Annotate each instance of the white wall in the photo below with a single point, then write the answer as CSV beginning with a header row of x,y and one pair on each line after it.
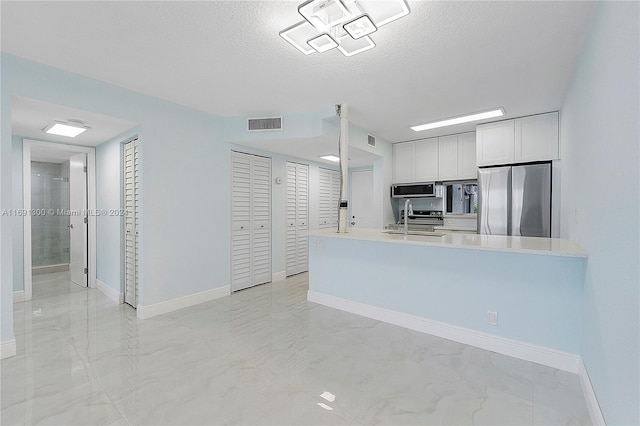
x,y
599,139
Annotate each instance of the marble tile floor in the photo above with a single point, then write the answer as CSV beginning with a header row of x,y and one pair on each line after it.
x,y
262,356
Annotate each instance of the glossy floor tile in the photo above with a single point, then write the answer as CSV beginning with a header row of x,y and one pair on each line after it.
x,y
262,356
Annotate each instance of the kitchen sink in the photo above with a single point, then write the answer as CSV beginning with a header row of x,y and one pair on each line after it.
x,y
422,233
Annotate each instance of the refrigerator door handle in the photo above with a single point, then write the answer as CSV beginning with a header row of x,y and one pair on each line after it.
x,y
515,208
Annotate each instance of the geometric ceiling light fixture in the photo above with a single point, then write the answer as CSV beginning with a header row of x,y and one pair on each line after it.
x,y
70,128
345,24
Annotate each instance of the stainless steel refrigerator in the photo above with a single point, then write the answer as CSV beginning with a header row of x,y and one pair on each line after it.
x,y
515,200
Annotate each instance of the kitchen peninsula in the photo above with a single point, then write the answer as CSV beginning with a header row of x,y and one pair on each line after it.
x,y
520,296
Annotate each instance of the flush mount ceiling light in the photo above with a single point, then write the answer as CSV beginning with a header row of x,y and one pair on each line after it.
x,y
331,157
69,128
459,120
345,24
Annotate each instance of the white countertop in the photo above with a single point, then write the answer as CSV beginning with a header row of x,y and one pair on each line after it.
x,y
533,245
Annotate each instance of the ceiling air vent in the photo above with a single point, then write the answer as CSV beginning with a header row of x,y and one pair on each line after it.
x,y
371,140
264,124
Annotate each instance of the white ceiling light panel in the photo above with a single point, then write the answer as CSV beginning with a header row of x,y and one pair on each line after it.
x,y
68,129
499,112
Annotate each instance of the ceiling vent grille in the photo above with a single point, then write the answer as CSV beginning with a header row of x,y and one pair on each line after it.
x,y
268,124
371,141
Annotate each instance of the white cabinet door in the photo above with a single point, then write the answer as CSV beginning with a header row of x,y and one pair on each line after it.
x,y
448,157
297,218
426,160
467,168
404,162
250,220
495,143
536,138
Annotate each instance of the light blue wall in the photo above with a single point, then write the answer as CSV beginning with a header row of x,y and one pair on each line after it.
x,y
109,196
599,142
538,298
18,225
6,202
185,177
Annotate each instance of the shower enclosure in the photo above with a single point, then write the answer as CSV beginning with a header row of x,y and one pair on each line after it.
x,y
50,239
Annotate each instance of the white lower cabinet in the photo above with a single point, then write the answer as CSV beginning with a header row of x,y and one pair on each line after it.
x,y
297,218
251,220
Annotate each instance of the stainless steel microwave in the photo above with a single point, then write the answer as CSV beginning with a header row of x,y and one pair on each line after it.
x,y
416,190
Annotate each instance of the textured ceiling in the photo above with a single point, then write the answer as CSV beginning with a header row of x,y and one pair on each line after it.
x,y
443,60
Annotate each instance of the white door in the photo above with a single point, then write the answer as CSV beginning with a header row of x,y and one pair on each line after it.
x,y
329,191
250,220
77,220
297,218
362,199
131,196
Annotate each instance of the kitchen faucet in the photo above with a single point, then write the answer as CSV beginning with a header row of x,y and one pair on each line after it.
x,y
407,208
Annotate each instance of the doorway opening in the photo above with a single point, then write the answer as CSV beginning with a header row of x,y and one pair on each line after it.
x,y
59,197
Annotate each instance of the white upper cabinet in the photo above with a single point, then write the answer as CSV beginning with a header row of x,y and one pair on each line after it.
x,y
426,160
436,159
522,140
536,138
495,143
467,168
457,155
448,157
404,167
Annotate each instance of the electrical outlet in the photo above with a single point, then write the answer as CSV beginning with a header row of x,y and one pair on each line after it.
x,y
492,317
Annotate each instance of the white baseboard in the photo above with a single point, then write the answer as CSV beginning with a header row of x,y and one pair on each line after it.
x,y
590,396
145,312
18,296
8,348
279,276
522,350
108,291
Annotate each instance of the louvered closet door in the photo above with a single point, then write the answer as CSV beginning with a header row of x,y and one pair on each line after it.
x,y
131,204
335,197
241,221
302,189
297,218
324,202
292,234
329,189
251,220
261,209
